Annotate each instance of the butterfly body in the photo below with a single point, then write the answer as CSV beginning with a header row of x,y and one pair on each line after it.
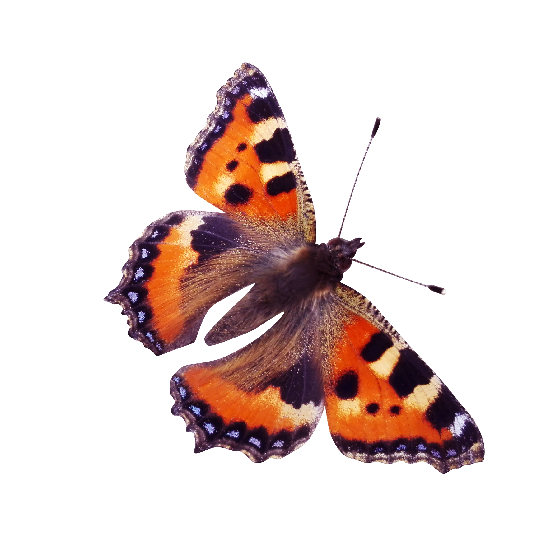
x,y
330,349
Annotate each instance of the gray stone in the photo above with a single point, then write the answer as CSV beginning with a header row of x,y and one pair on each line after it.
x,y
419,204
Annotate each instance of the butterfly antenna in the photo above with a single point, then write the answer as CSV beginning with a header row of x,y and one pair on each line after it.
x,y
435,289
373,133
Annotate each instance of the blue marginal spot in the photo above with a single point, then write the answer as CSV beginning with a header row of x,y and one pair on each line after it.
x,y
194,409
210,428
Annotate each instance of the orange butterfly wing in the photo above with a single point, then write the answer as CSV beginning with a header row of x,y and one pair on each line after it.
x,y
263,424
181,266
244,161
384,403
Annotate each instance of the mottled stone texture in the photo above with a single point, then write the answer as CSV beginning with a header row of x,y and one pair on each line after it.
x,y
419,204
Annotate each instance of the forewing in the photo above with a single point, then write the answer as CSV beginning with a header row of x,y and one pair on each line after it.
x,y
244,161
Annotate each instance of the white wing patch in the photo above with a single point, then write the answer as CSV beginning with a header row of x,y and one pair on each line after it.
x,y
459,424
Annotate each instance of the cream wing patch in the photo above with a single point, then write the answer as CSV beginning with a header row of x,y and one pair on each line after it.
x,y
385,365
264,130
185,239
424,395
271,170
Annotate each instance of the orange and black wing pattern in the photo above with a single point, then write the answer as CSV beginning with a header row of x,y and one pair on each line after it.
x,y
245,164
384,403
266,423
330,348
181,266
244,161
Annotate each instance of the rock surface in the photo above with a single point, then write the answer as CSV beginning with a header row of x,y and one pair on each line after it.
x,y
418,204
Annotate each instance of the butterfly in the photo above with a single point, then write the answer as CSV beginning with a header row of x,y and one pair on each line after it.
x,y
331,348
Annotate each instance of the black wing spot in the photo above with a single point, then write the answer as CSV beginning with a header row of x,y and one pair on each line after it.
x,y
409,372
395,410
303,432
261,109
231,165
237,194
372,408
241,147
214,236
278,148
300,385
376,347
441,413
281,184
347,385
